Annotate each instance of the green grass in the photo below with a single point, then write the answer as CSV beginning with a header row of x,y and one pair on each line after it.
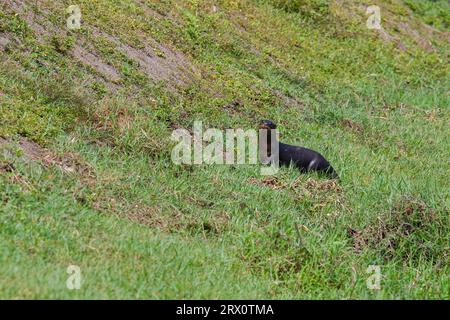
x,y
139,226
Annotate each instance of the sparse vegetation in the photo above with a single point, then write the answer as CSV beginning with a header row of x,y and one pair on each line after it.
x,y
86,176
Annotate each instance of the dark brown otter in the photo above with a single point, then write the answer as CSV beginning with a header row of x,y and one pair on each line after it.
x,y
302,158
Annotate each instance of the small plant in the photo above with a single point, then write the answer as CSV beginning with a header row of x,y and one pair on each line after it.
x,y
62,44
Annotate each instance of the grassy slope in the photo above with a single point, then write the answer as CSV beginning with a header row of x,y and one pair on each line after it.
x,y
141,227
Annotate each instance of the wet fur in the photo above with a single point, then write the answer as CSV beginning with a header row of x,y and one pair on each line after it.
x,y
302,158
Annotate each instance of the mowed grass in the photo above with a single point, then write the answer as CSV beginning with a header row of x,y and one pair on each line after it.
x,y
139,226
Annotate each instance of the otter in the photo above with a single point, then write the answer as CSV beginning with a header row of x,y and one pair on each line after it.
x,y
302,158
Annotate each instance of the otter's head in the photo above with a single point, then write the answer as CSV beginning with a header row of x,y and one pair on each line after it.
x,y
267,124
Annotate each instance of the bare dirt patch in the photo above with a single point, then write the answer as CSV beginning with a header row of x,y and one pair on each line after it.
x,y
167,219
323,194
352,125
45,32
403,34
36,21
313,185
161,63
4,41
288,101
271,182
421,40
309,186
153,216
150,12
234,107
387,38
67,162
92,59
394,234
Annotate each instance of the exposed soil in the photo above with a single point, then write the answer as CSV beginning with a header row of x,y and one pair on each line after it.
x,y
158,61
67,162
4,40
161,63
421,40
309,187
313,185
288,101
37,22
352,125
271,182
92,59
408,216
